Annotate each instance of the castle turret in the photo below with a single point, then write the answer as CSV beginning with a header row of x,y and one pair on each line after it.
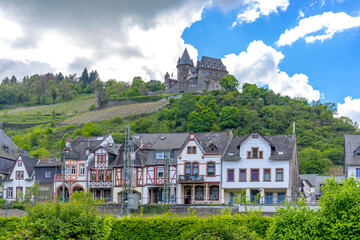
x,y
183,65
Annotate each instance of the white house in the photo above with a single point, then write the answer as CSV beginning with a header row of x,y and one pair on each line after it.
x,y
352,155
21,177
266,165
199,167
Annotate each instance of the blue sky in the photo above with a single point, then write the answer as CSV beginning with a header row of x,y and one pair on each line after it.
x,y
306,49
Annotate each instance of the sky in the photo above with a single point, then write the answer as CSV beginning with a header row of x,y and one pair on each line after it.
x,y
299,48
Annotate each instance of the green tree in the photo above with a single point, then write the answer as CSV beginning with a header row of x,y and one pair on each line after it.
x,y
229,117
229,83
195,123
186,105
311,161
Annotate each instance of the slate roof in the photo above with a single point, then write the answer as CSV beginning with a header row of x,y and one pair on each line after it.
x,y
212,63
81,144
218,139
6,165
119,160
52,162
283,147
352,142
160,141
315,180
6,141
185,59
112,149
29,163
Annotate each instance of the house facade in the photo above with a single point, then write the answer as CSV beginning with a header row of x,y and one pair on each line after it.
x,y
45,172
256,164
99,174
21,177
78,154
199,168
352,155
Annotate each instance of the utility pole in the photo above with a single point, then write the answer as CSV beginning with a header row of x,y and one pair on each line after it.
x,y
126,174
63,175
166,197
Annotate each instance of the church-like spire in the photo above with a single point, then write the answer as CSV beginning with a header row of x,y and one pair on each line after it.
x,y
185,59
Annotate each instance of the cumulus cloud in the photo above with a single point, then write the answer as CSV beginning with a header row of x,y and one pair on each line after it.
x,y
259,64
120,39
319,28
350,108
301,14
255,8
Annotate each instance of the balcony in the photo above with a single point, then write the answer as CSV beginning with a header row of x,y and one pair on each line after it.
x,y
59,177
191,178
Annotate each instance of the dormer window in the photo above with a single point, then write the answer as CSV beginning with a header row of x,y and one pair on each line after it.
x,y
357,152
6,149
212,148
254,153
87,151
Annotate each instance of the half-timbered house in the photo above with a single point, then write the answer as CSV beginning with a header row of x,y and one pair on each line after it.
x,y
199,167
100,176
77,154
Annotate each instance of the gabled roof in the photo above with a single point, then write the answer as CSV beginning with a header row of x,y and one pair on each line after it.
x,y
212,63
6,165
29,163
218,139
5,141
81,144
52,162
112,149
283,147
160,141
246,137
352,142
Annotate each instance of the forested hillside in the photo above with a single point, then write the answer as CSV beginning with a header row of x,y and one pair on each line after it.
x,y
320,134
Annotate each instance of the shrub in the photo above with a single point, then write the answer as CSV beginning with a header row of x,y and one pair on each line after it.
x,y
11,226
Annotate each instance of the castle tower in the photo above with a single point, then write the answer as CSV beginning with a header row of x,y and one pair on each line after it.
x,y
183,65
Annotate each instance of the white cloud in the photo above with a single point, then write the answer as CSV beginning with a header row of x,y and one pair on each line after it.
x,y
301,14
350,108
256,8
260,65
321,27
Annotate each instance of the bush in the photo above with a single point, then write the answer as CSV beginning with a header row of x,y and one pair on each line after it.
x,y
11,226
77,219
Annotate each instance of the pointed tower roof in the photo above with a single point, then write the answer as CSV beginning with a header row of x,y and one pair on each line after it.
x,y
185,59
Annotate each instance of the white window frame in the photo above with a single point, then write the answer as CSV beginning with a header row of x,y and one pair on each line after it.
x,y
82,169
48,174
73,170
67,170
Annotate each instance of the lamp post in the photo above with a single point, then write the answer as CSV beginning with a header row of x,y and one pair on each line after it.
x,y
5,191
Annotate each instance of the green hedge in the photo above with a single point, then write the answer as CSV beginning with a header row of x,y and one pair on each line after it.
x,y
238,226
11,226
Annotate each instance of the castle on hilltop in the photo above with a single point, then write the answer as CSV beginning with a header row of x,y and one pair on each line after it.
x,y
206,75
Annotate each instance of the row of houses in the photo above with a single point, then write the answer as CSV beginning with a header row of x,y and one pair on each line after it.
x,y
203,168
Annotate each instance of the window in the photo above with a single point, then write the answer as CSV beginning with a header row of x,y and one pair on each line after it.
x,y
214,193
6,149
211,169
358,172
242,175
254,177
248,154
255,136
10,192
19,175
160,172
187,168
212,148
108,176
87,151
67,170
160,155
230,175
82,169
268,198
195,169
93,176
73,170
48,174
20,163
19,193
1,180
255,153
44,193
280,197
232,196
267,174
191,150
279,174
101,175
357,154
199,193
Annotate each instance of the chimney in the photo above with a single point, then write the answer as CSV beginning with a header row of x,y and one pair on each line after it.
x,y
67,141
227,132
293,128
43,159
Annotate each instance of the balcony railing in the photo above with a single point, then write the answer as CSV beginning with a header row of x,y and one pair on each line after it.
x,y
191,178
269,201
59,177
